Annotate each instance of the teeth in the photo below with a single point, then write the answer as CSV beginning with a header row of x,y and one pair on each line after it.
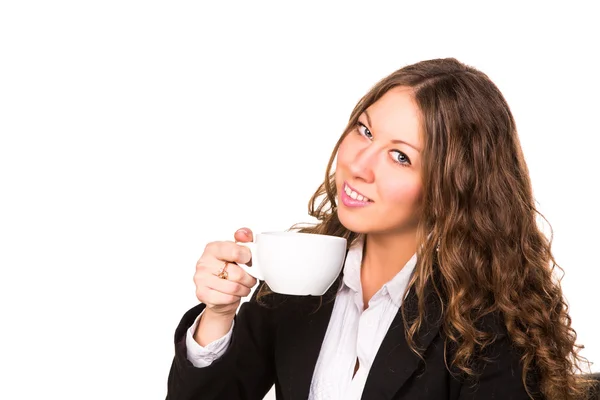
x,y
351,193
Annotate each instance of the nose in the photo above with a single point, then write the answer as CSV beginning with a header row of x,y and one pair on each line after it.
x,y
363,164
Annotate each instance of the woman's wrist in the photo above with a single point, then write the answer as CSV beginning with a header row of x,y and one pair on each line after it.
x,y
212,326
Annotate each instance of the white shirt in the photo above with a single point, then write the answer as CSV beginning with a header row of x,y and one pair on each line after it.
x,y
352,333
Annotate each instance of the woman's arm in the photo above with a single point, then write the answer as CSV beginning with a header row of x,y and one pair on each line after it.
x,y
203,355
245,371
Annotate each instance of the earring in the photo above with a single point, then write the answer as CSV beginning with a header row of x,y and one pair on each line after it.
x,y
437,248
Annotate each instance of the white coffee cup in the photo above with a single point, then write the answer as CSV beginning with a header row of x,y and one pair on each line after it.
x,y
296,263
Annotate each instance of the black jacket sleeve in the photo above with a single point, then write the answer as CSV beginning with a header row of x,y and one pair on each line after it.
x,y
245,371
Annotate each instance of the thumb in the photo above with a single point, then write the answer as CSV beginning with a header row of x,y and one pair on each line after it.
x,y
243,235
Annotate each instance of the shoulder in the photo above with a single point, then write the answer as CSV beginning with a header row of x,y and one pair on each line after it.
x,y
279,313
278,303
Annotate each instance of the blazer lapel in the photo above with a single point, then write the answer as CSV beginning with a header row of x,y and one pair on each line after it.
x,y
299,339
395,362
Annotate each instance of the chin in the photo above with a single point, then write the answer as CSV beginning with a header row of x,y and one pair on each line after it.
x,y
353,223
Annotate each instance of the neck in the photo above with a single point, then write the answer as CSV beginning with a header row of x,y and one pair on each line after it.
x,y
386,254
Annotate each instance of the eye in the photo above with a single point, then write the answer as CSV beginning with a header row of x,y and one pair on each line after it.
x,y
364,131
400,157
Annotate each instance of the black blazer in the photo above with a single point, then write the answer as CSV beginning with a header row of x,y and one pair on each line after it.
x,y
280,345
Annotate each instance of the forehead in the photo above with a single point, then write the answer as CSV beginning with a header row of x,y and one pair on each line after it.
x,y
396,116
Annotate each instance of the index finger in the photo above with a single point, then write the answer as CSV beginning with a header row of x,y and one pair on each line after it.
x,y
228,251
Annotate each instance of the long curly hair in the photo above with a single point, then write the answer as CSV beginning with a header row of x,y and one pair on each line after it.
x,y
478,230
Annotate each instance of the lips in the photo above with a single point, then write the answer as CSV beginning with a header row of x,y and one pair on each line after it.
x,y
350,197
355,194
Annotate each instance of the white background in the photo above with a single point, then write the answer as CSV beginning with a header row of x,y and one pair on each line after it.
x,y
134,132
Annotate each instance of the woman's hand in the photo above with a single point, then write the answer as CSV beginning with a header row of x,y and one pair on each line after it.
x,y
222,296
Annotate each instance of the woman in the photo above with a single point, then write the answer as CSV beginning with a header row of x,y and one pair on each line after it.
x,y
447,290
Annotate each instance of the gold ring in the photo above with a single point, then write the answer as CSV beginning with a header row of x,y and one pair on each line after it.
x,y
223,272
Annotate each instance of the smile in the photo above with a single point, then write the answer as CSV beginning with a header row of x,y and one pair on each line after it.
x,y
354,194
352,198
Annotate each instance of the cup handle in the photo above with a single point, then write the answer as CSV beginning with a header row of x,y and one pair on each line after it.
x,y
253,270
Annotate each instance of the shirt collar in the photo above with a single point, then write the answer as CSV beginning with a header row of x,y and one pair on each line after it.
x,y
395,288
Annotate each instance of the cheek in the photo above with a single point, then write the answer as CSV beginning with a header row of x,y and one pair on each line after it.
x,y
349,150
403,191
343,153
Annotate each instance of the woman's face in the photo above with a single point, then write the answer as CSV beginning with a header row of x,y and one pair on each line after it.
x,y
378,170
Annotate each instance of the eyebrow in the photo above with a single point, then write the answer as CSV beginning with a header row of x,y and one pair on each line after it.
x,y
393,140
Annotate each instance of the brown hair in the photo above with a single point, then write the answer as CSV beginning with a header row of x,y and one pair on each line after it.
x,y
478,206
